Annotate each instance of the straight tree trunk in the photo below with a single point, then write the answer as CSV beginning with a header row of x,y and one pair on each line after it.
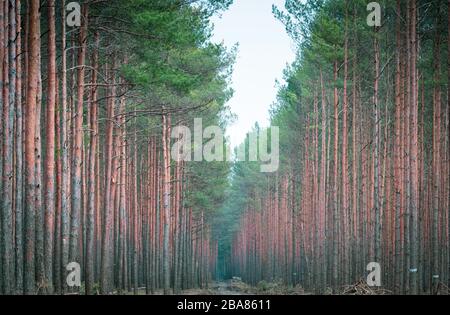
x,y
91,210
166,200
414,264
107,213
30,135
376,153
135,212
19,205
345,180
40,269
398,153
355,164
58,201
9,84
448,130
336,215
436,162
66,153
49,176
323,172
74,254
2,53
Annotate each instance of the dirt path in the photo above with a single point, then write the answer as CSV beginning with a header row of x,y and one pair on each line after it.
x,y
225,288
235,287
216,288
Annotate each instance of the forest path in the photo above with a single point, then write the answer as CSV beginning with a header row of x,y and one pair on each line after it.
x,y
225,288
216,288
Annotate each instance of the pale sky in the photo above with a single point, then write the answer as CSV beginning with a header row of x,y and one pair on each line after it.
x,y
264,51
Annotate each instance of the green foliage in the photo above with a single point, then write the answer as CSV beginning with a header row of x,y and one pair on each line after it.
x,y
172,66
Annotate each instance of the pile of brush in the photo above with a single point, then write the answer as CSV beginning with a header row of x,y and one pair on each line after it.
x,y
361,288
442,289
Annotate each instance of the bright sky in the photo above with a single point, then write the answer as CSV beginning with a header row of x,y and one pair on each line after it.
x,y
264,51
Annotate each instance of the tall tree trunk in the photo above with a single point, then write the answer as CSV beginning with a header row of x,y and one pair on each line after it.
x,y
123,196
135,211
9,85
414,262
397,163
92,205
323,172
436,158
107,204
448,129
19,160
345,180
376,154
58,201
2,55
40,270
74,254
30,149
66,153
49,176
166,200
336,214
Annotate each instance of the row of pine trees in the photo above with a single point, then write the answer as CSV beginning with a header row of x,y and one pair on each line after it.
x,y
85,152
365,131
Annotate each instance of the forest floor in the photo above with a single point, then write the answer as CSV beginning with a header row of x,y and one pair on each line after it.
x,y
217,288
237,287
214,288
